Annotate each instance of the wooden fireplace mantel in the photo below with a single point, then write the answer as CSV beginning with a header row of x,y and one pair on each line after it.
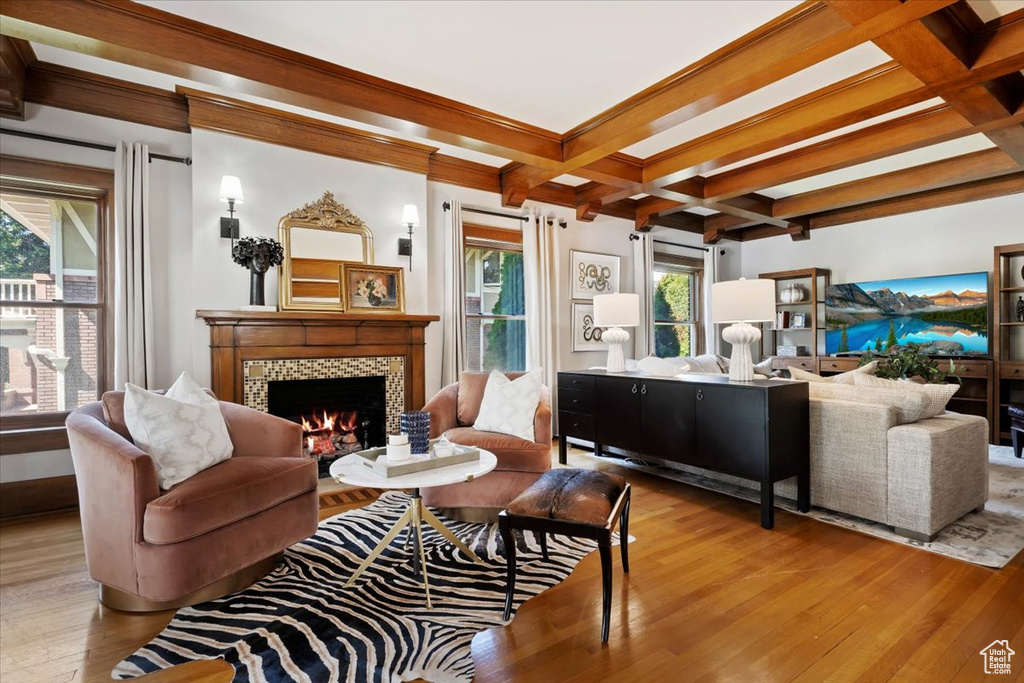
x,y
240,336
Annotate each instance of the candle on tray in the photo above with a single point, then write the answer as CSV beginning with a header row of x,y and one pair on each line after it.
x,y
398,448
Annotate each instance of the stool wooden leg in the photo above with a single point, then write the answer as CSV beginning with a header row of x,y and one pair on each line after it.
x,y
606,584
624,536
508,538
543,538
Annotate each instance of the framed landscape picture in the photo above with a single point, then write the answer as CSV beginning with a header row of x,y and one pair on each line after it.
x,y
586,336
592,274
372,289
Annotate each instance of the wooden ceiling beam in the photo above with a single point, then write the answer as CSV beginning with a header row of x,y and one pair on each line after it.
x,y
988,188
790,43
937,49
160,41
913,131
53,85
988,163
16,57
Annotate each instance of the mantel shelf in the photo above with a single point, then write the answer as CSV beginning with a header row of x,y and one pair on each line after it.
x,y
316,317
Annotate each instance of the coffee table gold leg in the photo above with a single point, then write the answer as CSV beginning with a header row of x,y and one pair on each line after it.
x,y
404,520
433,521
417,521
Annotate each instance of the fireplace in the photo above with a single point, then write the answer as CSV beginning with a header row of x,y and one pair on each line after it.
x,y
339,415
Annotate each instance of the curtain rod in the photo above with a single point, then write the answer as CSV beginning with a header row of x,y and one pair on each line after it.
x,y
89,145
633,237
514,216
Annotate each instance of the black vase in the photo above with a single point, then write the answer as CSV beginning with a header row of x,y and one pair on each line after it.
x,y
255,287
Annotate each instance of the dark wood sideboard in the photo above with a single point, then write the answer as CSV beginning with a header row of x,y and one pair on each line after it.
x,y
756,430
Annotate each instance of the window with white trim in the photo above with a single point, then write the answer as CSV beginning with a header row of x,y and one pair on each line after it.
x,y
677,326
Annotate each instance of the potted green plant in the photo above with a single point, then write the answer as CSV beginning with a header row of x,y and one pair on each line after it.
x,y
907,362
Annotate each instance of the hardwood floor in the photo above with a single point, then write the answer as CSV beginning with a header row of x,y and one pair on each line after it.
x,y
710,597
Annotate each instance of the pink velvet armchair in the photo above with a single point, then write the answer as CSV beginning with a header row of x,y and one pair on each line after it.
x,y
520,463
210,535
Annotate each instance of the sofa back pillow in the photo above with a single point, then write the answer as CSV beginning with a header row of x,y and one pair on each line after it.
x,y
510,406
841,378
182,431
909,407
936,395
471,393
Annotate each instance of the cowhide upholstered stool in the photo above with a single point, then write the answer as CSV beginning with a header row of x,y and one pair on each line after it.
x,y
571,502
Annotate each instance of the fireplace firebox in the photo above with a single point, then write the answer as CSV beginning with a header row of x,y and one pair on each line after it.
x,y
339,415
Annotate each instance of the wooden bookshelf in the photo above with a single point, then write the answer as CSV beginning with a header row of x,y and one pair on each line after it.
x,y
1007,337
814,281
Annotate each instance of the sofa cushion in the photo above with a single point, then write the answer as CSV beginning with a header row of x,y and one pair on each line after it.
x,y
841,378
113,411
509,406
514,454
471,394
573,495
936,395
909,407
226,493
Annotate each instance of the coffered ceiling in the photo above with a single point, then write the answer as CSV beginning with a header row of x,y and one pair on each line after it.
x,y
737,120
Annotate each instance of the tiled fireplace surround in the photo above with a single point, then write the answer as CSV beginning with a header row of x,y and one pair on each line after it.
x,y
250,348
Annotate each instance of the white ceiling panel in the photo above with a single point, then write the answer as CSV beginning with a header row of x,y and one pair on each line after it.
x,y
571,180
987,10
701,211
849,63
553,64
896,162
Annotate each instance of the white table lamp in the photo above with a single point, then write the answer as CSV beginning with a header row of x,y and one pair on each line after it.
x,y
613,312
742,302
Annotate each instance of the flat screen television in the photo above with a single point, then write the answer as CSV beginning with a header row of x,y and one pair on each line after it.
x,y
946,314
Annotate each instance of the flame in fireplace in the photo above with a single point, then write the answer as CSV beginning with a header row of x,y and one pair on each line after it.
x,y
330,433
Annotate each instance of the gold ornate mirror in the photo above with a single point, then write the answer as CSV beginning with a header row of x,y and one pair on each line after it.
x,y
317,239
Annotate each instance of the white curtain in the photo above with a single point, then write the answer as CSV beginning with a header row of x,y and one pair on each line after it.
x,y
712,338
540,274
133,297
643,275
453,359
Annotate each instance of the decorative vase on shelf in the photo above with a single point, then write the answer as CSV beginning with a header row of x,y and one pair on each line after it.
x,y
258,254
792,294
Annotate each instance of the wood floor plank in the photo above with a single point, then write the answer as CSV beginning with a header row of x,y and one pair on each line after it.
x,y
711,597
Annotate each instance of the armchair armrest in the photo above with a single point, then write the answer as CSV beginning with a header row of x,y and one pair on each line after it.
x,y
443,409
542,419
256,434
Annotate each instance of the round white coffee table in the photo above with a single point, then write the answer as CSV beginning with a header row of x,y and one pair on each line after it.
x,y
349,470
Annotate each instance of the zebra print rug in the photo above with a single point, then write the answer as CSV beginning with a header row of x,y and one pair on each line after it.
x,y
300,624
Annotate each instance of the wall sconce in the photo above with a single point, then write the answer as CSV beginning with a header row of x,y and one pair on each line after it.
x,y
230,192
410,219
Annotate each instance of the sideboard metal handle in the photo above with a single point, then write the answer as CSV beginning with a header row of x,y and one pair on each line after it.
x,y
643,389
700,395
634,388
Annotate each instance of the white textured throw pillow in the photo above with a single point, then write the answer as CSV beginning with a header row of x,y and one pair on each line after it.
x,y
841,378
936,395
510,406
183,431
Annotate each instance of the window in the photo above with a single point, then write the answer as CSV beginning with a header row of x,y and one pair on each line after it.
x,y
676,291
495,306
52,297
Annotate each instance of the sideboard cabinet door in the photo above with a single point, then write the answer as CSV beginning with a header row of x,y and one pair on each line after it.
x,y
618,412
731,430
668,427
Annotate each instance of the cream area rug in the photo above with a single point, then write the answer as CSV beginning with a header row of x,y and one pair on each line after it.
x,y
990,538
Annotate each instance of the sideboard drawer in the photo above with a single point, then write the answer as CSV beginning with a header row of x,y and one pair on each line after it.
x,y
576,400
838,364
808,363
576,425
570,381
1011,370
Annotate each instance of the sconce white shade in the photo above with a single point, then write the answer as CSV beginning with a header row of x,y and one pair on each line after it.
x,y
743,301
231,189
410,215
617,310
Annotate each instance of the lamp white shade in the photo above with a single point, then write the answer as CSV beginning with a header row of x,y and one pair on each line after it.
x,y
743,301
231,189
617,310
410,215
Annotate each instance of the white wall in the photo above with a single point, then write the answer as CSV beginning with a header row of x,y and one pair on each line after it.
x,y
275,181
